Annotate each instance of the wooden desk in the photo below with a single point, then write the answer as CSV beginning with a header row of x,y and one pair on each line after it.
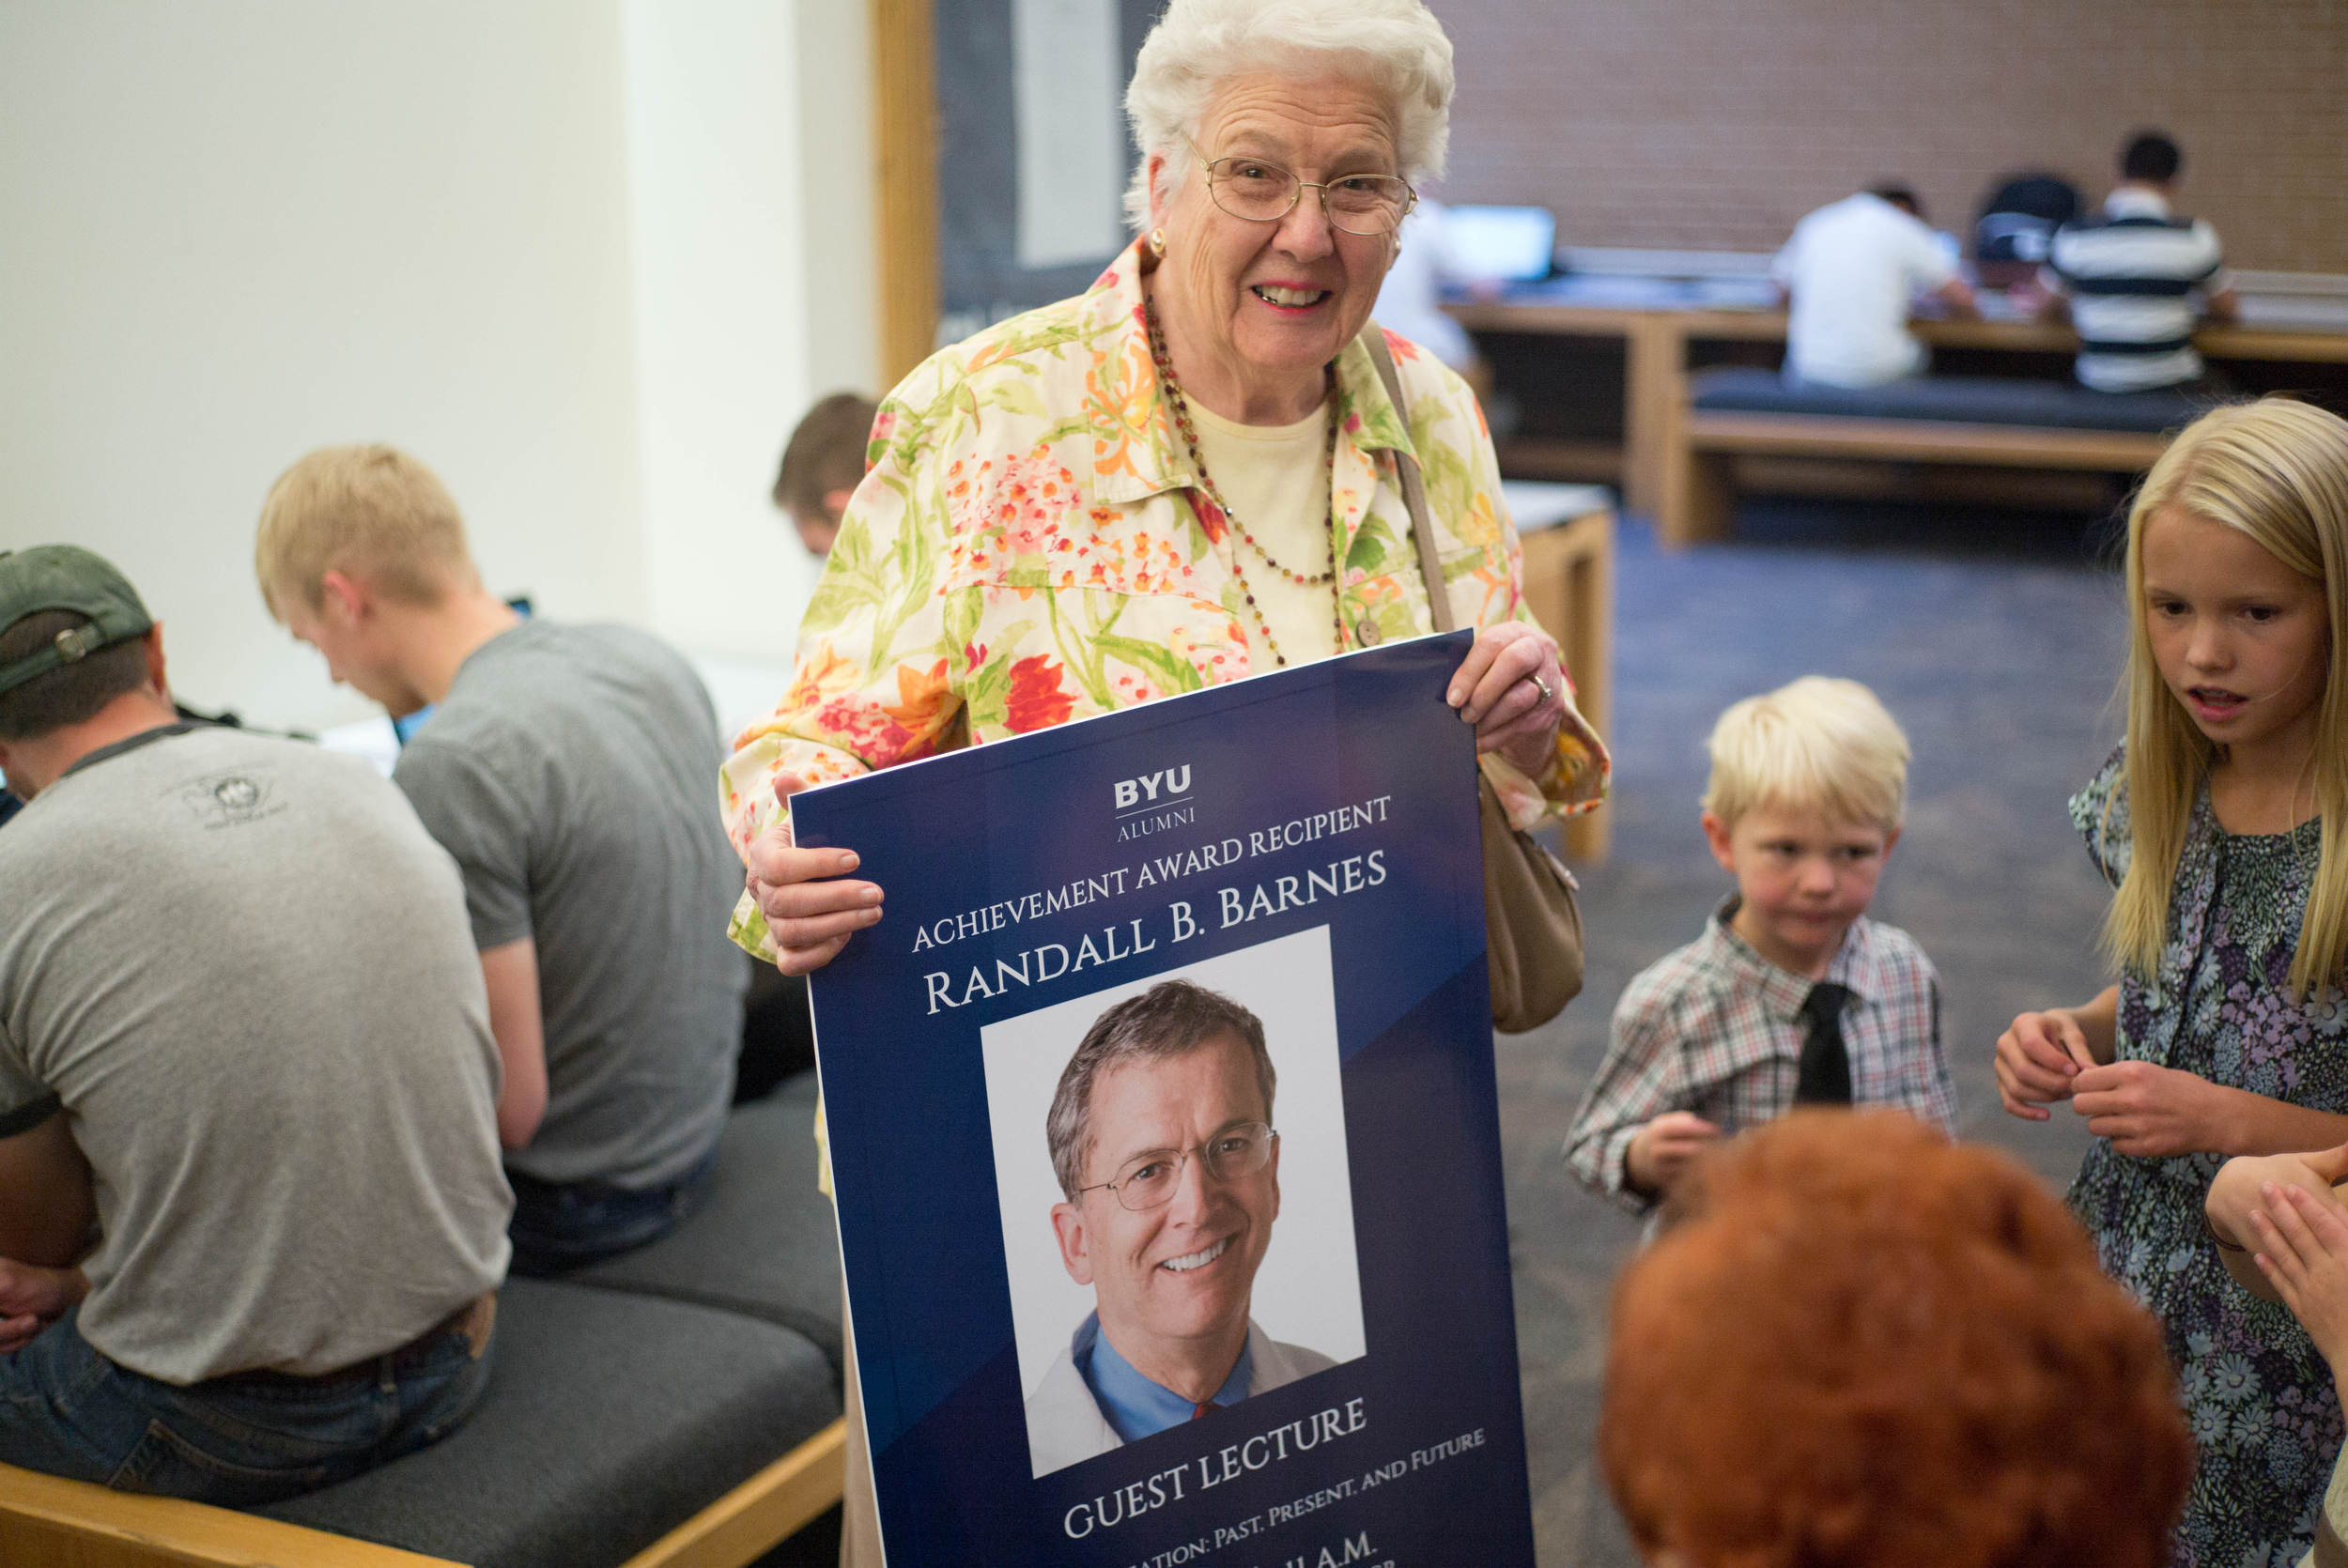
x,y
1656,341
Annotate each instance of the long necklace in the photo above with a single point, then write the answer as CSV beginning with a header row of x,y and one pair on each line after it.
x,y
1180,406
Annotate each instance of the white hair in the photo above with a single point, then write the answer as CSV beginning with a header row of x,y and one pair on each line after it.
x,y
1199,46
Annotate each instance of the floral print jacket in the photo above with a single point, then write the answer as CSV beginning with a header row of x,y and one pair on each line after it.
x,y
1029,545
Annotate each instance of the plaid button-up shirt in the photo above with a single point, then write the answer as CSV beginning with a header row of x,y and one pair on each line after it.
x,y
1717,1029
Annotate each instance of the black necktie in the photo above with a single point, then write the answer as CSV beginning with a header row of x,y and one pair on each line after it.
x,y
1825,1061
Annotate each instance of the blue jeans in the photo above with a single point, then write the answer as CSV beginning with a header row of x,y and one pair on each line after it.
x,y
251,1438
561,1225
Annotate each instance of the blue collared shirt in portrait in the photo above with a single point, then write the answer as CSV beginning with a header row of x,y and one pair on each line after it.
x,y
1135,1405
1717,1029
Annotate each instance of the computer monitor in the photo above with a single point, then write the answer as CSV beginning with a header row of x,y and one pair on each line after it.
x,y
1499,244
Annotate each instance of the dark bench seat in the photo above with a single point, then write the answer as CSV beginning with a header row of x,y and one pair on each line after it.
x,y
1960,399
764,1243
609,1418
1951,419
678,1405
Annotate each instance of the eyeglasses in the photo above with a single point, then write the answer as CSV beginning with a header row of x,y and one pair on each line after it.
x,y
1265,192
1149,1180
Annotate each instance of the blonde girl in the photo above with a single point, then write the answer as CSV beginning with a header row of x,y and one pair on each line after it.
x,y
2220,823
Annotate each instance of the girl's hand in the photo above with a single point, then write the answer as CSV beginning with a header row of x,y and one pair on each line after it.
x,y
2150,1112
1512,687
2303,1249
2039,1060
2241,1182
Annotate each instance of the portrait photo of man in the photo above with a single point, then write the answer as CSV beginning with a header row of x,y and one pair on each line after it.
x,y
1162,1139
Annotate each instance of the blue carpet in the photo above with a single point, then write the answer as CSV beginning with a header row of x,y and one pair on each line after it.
x,y
1996,639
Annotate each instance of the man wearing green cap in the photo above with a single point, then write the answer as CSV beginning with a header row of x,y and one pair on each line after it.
x,y
249,1176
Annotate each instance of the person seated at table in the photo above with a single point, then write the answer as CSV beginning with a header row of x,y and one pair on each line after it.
x,y
566,768
250,1212
1853,270
822,464
1410,301
1864,1344
2017,224
2134,278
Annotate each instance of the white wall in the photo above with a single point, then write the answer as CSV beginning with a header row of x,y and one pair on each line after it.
x,y
235,231
745,313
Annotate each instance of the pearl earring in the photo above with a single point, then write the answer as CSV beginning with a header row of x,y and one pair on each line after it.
x,y
1157,242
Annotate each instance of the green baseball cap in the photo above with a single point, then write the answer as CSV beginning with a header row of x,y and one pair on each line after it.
x,y
66,577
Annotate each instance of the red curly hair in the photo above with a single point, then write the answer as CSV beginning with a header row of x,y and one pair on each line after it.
x,y
1866,1345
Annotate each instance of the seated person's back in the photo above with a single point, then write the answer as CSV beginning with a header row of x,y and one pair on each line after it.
x,y
568,769
2138,278
1851,270
234,979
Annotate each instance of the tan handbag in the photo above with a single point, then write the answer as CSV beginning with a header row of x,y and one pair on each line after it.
x,y
1532,923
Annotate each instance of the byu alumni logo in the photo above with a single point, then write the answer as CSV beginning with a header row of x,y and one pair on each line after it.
x,y
1154,803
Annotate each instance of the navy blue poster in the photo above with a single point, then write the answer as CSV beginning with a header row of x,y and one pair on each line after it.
x,y
1164,1132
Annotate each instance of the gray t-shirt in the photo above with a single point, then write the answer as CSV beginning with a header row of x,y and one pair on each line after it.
x,y
241,967
568,771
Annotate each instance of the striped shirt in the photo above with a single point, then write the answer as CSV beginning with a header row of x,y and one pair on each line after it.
x,y
2132,273
1717,1029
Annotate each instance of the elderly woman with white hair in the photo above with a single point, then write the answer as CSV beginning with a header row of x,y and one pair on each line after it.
x,y
1189,473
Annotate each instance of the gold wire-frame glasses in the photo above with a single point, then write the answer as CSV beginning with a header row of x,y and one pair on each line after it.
x,y
1150,1180
1262,191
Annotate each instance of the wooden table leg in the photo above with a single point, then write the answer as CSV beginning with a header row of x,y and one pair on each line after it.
x,y
1654,361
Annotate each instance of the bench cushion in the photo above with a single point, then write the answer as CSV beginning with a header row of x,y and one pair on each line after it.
x,y
764,1241
609,1420
1961,399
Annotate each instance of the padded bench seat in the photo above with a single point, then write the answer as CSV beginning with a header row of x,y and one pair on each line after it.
x,y
609,1418
616,1430
680,1401
1960,421
1961,399
764,1243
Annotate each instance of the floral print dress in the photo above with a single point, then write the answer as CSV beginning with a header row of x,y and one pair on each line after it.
x,y
2258,1397
1031,546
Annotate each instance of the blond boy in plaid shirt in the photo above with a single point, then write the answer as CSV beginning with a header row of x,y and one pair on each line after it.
x,y
1791,995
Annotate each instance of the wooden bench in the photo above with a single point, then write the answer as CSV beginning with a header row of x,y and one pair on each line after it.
x,y
1763,417
1568,534
73,1524
678,1408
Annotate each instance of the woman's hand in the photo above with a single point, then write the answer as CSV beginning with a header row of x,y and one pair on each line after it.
x,y
2303,1250
809,913
2152,1112
2039,1059
1513,688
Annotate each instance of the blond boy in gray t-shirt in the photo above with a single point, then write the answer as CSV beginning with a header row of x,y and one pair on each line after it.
x,y
568,769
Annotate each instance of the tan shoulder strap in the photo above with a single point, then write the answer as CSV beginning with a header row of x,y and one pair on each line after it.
x,y
1413,487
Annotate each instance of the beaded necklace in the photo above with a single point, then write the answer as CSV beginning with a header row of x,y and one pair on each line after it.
x,y
1180,406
